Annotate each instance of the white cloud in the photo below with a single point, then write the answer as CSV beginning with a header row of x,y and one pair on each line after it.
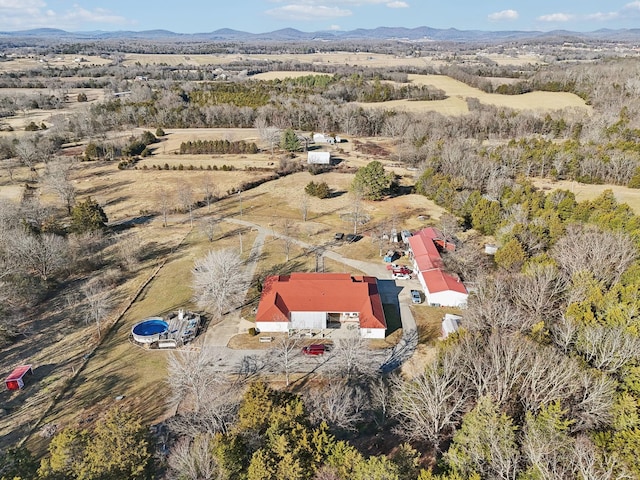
x,y
26,14
603,16
557,17
300,12
397,4
632,6
335,27
503,15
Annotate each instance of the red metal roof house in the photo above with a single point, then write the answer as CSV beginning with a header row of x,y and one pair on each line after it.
x,y
315,300
15,380
440,287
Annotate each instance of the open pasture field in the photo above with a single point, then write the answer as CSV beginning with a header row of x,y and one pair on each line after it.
x,y
19,64
582,191
458,92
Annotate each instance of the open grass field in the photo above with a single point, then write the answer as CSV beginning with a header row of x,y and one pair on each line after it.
x,y
458,92
31,62
630,196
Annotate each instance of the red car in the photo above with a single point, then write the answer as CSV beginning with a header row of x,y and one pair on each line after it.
x,y
402,270
315,349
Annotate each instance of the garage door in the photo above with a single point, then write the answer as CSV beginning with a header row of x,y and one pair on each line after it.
x,y
315,320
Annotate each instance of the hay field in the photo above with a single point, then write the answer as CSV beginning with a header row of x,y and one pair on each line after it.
x,y
458,92
20,64
582,191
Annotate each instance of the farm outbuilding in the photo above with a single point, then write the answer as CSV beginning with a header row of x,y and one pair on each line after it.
x,y
450,324
440,288
15,381
319,158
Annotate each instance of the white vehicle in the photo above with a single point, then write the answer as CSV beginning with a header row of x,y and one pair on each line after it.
x,y
401,276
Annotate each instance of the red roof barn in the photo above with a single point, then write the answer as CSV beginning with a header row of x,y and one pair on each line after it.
x,y
440,287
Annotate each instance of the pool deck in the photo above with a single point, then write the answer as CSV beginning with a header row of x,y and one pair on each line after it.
x,y
182,328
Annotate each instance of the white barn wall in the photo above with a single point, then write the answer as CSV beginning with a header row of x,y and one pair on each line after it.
x,y
373,333
272,326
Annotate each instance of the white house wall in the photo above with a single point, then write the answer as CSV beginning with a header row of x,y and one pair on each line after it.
x,y
314,320
273,326
448,298
372,333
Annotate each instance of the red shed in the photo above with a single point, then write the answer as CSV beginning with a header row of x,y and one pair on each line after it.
x,y
15,380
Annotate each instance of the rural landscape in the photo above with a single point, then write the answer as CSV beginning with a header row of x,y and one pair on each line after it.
x,y
293,259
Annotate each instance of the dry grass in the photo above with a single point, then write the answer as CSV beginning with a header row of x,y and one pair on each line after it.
x,y
428,320
630,196
458,92
59,61
118,368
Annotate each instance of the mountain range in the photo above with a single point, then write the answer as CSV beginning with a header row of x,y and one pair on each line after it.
x,y
417,34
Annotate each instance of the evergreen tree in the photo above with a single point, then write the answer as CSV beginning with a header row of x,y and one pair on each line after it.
x,y
290,141
372,181
88,216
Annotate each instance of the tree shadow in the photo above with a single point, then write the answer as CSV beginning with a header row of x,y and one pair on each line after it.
x,y
125,224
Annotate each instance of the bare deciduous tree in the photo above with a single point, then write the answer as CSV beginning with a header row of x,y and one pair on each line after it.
x,y
430,405
130,249
353,359
210,191
539,292
185,198
99,301
286,355
208,401
304,205
219,281
356,214
193,459
210,226
162,197
340,403
57,178
606,254
608,348
43,255
288,229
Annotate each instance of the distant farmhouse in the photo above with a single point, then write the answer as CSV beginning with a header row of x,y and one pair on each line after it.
x,y
440,287
316,301
319,158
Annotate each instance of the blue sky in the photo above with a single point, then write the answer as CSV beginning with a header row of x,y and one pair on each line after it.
x,y
191,16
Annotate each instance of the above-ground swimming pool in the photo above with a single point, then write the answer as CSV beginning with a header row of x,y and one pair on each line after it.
x,y
149,330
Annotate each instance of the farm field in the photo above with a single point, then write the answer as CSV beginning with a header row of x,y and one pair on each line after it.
x,y
458,92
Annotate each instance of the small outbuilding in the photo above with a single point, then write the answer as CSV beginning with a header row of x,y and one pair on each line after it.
x,y
450,324
319,158
15,381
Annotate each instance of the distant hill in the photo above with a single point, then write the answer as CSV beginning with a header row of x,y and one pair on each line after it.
x,y
293,35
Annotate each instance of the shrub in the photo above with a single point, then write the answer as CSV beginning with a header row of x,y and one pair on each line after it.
x,y
160,132
252,332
